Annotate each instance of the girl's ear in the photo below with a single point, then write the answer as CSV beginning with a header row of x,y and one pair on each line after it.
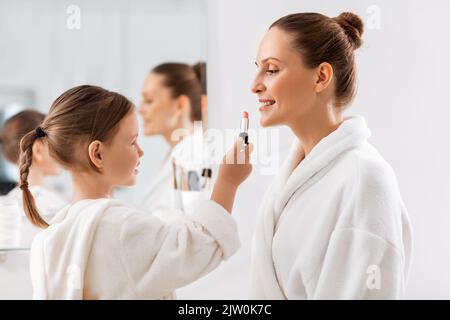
x,y
37,151
324,75
96,153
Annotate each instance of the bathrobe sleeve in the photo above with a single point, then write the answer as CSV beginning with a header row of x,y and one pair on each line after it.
x,y
365,257
161,257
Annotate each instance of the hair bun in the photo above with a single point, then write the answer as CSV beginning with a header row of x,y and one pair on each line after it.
x,y
199,69
353,27
200,72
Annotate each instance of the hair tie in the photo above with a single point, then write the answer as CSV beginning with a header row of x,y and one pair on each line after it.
x,y
23,185
40,133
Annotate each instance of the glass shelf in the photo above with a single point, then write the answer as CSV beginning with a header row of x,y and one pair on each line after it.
x,y
13,249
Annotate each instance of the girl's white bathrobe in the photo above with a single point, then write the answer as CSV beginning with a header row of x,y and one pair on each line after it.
x,y
103,249
15,229
333,227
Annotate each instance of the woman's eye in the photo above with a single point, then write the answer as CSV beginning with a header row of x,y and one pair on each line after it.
x,y
271,71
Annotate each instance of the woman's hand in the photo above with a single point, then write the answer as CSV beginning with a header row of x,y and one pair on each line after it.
x,y
235,168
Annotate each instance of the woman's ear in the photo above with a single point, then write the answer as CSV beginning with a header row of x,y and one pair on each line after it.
x,y
204,112
95,151
183,105
204,102
324,75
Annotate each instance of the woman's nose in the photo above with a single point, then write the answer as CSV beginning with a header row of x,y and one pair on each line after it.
x,y
141,109
257,86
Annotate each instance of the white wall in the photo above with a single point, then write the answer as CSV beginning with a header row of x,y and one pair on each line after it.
x,y
403,87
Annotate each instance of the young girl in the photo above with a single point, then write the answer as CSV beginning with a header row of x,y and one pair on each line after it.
x,y
98,247
15,230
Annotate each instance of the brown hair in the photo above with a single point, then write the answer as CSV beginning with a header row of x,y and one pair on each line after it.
x,y
183,79
319,38
14,129
76,118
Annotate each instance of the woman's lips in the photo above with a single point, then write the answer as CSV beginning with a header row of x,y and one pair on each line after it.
x,y
266,104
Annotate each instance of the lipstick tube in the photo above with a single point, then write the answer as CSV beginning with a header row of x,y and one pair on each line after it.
x,y
244,127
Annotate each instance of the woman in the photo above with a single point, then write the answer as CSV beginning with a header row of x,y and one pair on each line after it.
x,y
101,248
174,106
333,224
15,230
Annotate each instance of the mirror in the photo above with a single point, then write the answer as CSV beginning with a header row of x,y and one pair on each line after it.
x,y
49,47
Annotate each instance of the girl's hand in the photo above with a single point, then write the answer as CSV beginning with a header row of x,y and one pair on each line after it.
x,y
236,166
234,169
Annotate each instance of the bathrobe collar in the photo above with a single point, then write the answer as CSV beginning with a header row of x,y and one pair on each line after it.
x,y
351,133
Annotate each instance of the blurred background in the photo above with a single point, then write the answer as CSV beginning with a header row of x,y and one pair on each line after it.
x,y
403,86
116,46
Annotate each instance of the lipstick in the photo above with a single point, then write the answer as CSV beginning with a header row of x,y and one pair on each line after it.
x,y
244,127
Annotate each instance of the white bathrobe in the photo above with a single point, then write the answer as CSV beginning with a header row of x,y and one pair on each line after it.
x,y
333,227
15,229
103,249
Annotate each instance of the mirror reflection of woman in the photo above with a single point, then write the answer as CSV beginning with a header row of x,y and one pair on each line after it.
x,y
333,224
173,101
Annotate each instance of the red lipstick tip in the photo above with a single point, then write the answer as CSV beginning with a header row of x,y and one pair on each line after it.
x,y
245,115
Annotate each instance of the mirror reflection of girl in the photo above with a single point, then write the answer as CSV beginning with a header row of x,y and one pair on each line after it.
x,y
173,98
98,247
47,200
337,228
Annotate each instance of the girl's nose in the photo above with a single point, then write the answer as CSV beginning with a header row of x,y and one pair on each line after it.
x,y
140,152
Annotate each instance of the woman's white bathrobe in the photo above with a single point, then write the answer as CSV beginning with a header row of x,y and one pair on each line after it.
x,y
103,249
333,227
191,153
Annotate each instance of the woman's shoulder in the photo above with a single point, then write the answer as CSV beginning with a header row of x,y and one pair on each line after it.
x,y
374,204
370,168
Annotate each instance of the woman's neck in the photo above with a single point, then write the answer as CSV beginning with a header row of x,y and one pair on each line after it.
x,y
316,126
176,136
89,186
